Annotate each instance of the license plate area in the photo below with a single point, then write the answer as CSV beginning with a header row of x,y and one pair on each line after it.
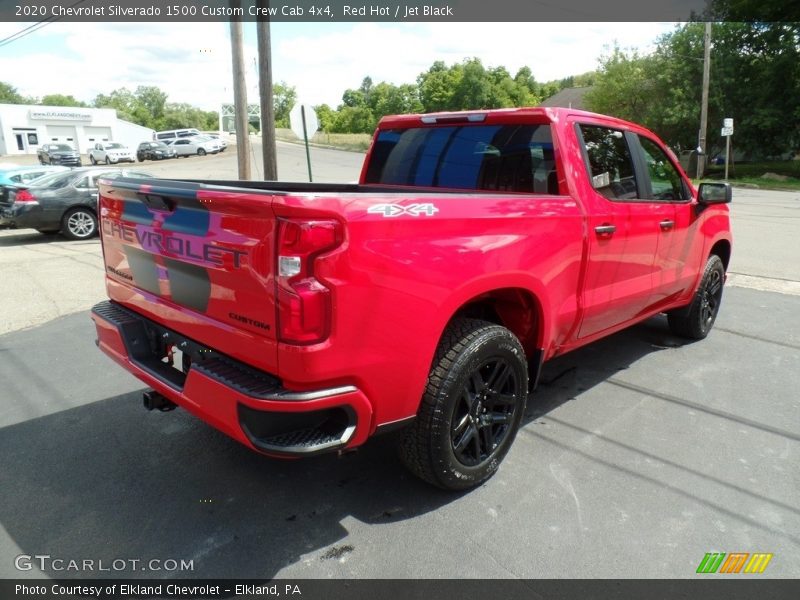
x,y
169,355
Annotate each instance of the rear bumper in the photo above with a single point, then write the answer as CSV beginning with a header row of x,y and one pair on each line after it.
x,y
250,406
21,216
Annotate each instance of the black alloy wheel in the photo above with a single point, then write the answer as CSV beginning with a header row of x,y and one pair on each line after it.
x,y
471,408
483,414
696,320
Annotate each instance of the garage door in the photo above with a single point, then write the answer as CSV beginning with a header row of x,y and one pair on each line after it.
x,y
92,135
60,134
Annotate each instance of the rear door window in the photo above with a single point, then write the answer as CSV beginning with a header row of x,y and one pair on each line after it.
x,y
509,158
610,162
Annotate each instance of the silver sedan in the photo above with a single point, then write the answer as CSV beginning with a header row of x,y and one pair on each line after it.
x,y
199,145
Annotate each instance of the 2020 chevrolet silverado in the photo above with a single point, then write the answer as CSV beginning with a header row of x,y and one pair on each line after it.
x,y
302,318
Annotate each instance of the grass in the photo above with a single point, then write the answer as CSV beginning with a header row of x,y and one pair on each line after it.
x,y
751,174
355,142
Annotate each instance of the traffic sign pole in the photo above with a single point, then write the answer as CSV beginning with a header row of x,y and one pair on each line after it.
x,y
304,123
727,154
305,137
727,131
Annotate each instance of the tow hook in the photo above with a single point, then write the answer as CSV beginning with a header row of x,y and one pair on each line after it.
x,y
153,400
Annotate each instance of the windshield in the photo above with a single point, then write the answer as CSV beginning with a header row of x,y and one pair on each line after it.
x,y
61,147
114,145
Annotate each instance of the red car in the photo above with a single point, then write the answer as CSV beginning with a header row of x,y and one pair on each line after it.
x,y
304,318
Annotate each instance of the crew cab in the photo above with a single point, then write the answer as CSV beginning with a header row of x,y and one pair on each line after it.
x,y
306,318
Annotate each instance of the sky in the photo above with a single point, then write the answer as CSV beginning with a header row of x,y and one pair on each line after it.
x,y
192,61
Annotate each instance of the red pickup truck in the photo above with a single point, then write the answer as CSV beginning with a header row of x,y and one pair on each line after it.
x,y
304,318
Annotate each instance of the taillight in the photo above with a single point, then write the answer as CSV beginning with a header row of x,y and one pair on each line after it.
x,y
304,303
25,197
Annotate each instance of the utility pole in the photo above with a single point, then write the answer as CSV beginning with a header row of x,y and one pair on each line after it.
x,y
701,156
268,148
240,97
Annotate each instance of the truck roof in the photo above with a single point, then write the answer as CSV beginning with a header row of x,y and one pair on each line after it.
x,y
501,115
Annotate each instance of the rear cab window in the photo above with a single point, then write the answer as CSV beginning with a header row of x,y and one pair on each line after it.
x,y
503,158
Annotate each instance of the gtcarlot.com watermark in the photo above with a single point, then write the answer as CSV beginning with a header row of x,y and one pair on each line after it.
x,y
46,562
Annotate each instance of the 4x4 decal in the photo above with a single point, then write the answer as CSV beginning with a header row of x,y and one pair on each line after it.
x,y
395,210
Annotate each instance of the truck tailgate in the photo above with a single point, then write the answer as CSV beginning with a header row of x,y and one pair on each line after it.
x,y
197,257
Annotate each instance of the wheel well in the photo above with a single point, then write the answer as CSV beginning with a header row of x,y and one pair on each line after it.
x,y
723,249
515,309
84,206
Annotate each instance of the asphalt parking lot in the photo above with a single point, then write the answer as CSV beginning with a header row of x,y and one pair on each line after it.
x,y
639,453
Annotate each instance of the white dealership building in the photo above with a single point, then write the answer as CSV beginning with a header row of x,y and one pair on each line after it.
x,y
24,128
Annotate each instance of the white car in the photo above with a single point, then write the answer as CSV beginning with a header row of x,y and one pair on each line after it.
x,y
198,144
111,153
217,137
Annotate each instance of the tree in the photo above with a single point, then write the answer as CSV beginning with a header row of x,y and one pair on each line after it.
x,y
122,100
284,98
354,98
469,86
326,116
151,99
180,115
626,89
436,86
366,88
10,95
755,79
354,119
60,100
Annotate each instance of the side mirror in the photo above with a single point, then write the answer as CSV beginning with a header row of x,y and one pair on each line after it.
x,y
714,193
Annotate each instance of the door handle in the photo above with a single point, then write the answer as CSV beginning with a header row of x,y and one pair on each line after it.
x,y
667,225
605,230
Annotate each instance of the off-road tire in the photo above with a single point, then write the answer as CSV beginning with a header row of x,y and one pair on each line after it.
x,y
695,320
462,401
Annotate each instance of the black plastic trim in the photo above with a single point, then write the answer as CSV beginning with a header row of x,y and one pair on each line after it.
x,y
145,340
535,362
298,433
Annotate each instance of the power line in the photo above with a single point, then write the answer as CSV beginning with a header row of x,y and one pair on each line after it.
x,y
21,34
35,27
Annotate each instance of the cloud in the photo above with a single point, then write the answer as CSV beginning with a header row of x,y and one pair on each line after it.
x,y
323,66
192,61
189,62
